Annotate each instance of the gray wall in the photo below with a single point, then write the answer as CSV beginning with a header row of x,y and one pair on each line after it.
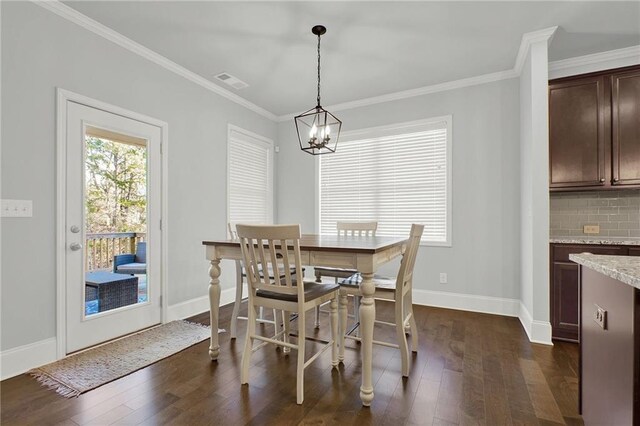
x,y
617,213
41,51
484,258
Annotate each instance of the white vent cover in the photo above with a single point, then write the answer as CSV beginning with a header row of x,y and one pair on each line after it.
x,y
232,81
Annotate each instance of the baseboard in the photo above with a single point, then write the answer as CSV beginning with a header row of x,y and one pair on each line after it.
x,y
467,302
537,331
198,305
18,360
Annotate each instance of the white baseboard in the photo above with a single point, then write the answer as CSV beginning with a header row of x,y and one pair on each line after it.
x,y
23,358
467,302
198,305
537,331
18,360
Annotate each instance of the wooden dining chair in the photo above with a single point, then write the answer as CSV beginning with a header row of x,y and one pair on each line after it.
x,y
240,278
278,246
359,229
399,291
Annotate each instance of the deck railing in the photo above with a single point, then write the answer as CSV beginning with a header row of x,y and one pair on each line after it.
x,y
100,248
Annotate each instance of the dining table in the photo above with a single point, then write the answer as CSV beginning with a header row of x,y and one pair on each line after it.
x,y
362,253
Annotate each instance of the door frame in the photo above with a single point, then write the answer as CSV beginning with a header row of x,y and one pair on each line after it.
x,y
63,98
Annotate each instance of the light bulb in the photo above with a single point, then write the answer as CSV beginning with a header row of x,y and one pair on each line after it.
x,y
313,131
327,130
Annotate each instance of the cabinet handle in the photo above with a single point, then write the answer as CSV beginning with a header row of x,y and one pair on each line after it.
x,y
615,179
602,180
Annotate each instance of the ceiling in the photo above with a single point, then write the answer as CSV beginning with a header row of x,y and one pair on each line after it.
x,y
370,49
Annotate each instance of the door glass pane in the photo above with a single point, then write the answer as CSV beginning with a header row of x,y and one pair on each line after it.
x,y
115,201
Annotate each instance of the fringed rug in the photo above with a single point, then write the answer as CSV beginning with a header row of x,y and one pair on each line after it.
x,y
97,366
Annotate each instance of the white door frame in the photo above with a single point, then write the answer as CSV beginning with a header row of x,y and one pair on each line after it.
x,y
63,97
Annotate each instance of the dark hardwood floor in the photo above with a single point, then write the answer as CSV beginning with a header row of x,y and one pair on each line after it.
x,y
470,369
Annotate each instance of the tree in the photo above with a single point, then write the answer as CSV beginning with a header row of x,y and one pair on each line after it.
x,y
116,186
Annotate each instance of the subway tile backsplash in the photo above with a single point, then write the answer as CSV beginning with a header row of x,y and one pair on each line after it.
x,y
617,213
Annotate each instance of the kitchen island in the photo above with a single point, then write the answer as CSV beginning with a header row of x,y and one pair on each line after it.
x,y
609,339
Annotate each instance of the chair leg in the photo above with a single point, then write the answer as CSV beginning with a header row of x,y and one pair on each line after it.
x,y
342,324
402,337
300,366
334,331
356,313
412,325
285,335
248,344
236,305
317,323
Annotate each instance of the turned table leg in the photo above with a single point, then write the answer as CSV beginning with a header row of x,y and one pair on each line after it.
x,y
367,317
214,306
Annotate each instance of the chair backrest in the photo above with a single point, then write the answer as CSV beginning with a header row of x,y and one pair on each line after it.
x,y
268,247
404,281
360,229
141,252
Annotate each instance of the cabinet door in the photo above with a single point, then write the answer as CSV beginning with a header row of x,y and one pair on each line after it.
x,y
578,138
565,287
565,318
625,97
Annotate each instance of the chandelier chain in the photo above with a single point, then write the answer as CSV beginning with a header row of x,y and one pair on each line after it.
x,y
318,99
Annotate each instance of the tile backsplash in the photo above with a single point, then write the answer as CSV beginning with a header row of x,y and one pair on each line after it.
x,y
617,213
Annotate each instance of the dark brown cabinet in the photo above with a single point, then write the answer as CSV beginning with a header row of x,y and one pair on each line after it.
x,y
565,286
625,129
594,131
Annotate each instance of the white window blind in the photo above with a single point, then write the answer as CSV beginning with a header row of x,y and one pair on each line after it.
x,y
396,176
250,177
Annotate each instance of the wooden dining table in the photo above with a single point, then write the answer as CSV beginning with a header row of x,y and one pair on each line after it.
x,y
365,254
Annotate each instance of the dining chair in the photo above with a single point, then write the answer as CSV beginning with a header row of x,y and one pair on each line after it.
x,y
399,291
240,277
360,229
278,247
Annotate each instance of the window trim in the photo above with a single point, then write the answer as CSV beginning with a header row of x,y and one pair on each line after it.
x,y
395,129
271,145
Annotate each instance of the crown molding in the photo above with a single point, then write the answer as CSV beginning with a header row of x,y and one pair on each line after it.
x,y
95,27
528,39
595,62
425,90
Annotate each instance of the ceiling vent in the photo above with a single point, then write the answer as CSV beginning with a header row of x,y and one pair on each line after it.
x,y
232,81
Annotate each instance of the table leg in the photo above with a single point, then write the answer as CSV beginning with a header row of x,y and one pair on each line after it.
x,y
214,307
367,318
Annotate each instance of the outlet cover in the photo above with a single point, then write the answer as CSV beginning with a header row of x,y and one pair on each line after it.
x,y
600,317
443,277
591,229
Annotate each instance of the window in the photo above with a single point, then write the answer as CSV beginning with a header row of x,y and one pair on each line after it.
x,y
397,175
249,177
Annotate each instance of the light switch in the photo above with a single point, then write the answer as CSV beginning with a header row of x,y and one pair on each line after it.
x,y
17,208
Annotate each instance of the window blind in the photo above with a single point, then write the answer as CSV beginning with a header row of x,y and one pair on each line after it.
x,y
396,179
250,178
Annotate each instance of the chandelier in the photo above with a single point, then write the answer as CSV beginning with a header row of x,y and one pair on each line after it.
x,y
318,130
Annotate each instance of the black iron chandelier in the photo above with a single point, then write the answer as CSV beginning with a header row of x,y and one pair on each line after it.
x,y
318,129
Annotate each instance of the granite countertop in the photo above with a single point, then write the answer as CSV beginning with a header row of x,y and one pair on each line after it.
x,y
621,268
611,241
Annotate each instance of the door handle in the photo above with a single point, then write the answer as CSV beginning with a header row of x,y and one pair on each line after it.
x,y
75,229
75,246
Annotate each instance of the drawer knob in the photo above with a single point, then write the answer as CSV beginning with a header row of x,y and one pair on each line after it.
x,y
602,180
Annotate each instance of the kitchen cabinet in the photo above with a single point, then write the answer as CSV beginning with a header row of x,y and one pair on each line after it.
x,y
625,130
565,285
594,131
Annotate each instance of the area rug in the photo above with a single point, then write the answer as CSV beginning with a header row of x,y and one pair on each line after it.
x,y
97,366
